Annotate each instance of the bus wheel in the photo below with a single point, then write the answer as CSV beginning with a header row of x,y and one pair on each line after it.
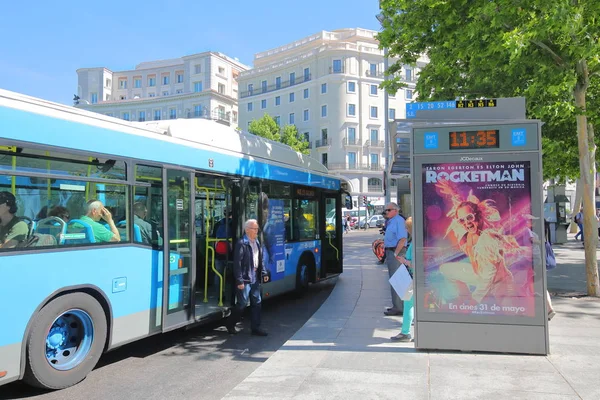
x,y
66,341
303,273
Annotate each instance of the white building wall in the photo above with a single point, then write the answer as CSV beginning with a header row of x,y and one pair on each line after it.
x,y
144,93
356,50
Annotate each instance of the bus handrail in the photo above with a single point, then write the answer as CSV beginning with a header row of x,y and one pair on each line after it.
x,y
337,252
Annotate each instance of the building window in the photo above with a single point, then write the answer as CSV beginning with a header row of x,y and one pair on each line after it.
x,y
165,80
392,113
109,114
142,116
250,107
198,68
292,97
374,161
306,74
107,97
122,83
108,83
152,94
323,111
197,87
165,93
179,91
250,89
408,94
137,83
337,66
234,115
374,90
352,110
122,97
151,81
323,88
373,69
306,93
374,136
221,88
292,119
292,78
351,135
305,115
352,160
324,136
197,110
373,113
222,70
278,120
263,86
93,98
324,159
277,100
179,78
172,113
351,87
126,116
263,104
408,74
278,82
157,115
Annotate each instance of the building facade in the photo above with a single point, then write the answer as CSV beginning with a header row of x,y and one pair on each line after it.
x,y
202,85
327,85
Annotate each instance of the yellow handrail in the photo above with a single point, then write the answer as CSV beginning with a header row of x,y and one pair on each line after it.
x,y
13,182
337,252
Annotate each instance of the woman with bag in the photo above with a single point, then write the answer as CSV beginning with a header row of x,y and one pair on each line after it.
x,y
409,311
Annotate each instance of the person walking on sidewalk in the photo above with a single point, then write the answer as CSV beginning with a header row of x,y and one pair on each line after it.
x,y
248,273
579,221
395,246
408,312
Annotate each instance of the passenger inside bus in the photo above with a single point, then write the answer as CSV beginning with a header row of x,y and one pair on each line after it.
x,y
139,218
60,212
95,212
12,229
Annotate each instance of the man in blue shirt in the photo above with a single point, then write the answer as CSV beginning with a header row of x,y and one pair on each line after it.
x,y
395,246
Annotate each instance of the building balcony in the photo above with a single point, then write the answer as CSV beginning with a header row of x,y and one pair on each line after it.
x,y
375,143
216,115
272,88
351,142
375,74
355,167
375,188
339,70
322,143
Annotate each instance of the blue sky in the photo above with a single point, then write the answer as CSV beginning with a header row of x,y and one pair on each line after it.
x,y
44,42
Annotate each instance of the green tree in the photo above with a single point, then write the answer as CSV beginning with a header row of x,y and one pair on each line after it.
x,y
291,137
545,50
265,127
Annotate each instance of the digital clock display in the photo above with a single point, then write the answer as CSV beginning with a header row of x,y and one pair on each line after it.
x,y
484,139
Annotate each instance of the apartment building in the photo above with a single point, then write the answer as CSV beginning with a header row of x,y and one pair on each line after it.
x,y
202,85
327,85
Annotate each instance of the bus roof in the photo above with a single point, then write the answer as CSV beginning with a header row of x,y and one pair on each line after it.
x,y
196,143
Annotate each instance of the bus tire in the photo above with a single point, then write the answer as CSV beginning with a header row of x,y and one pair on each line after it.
x,y
303,273
65,342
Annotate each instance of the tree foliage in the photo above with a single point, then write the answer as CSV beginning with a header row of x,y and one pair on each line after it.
x,y
267,127
545,50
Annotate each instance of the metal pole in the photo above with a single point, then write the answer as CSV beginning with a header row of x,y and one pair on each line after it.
x,y
386,128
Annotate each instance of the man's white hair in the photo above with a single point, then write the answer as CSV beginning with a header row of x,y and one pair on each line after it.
x,y
250,222
94,205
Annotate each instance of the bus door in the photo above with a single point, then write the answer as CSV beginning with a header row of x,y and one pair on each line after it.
x,y
331,234
214,232
179,248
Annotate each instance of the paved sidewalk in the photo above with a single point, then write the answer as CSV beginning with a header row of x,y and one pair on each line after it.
x,y
344,350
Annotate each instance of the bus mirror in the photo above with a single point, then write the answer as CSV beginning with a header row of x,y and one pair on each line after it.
x,y
348,202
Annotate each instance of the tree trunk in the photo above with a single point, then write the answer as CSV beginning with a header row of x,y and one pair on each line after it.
x,y
587,166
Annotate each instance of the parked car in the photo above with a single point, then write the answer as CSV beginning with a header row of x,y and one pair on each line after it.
x,y
372,222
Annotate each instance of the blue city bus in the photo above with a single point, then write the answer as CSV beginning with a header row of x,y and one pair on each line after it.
x,y
179,192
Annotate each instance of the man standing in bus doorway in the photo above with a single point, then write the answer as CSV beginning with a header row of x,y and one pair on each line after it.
x,y
395,245
248,273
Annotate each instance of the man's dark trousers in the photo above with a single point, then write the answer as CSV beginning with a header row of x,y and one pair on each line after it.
x,y
252,292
